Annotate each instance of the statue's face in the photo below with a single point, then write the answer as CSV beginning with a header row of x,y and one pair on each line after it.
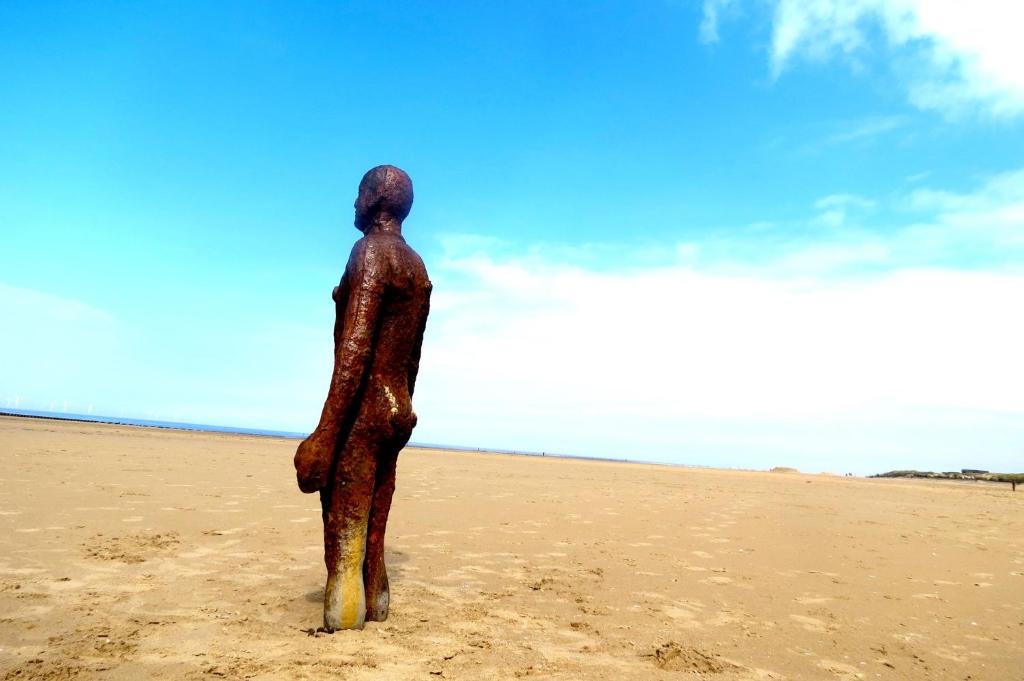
x,y
362,207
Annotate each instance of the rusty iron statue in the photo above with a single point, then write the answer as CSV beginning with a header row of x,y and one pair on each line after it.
x,y
381,311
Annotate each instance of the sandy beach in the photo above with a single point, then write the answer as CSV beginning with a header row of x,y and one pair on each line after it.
x,y
131,553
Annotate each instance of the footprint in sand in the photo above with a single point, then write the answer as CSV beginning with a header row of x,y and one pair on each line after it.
x,y
809,623
950,655
840,669
129,549
717,579
680,613
673,657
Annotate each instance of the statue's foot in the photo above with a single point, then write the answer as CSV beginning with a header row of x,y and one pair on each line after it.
x,y
377,606
344,601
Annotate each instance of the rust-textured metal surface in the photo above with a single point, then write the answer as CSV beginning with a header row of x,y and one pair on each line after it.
x,y
381,311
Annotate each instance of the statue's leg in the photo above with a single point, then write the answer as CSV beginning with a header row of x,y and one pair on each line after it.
x,y
345,528
378,595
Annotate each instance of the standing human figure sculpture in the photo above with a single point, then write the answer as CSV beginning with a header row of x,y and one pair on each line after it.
x,y
381,308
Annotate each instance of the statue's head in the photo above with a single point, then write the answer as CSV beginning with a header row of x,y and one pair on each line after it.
x,y
385,191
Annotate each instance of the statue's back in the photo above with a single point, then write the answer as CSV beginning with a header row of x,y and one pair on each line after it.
x,y
406,302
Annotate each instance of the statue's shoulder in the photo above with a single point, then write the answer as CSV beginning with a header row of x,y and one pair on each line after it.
x,y
364,251
384,254
366,259
414,262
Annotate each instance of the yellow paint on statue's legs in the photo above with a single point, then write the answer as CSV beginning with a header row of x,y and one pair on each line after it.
x,y
344,597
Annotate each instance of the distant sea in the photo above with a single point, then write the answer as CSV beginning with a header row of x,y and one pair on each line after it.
x,y
122,421
146,423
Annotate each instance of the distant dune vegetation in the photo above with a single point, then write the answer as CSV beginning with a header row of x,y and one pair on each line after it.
x,y
964,474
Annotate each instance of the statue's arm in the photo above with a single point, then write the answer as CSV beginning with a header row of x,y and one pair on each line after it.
x,y
359,298
354,335
340,297
414,363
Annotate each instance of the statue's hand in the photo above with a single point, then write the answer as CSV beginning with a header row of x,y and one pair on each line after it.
x,y
313,462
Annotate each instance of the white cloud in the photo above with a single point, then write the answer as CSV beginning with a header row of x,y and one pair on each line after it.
x,y
867,129
62,351
39,308
993,215
956,57
51,342
836,208
844,201
800,358
674,363
709,21
969,54
926,227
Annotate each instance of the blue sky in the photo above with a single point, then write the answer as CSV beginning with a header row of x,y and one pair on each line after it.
x,y
734,233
